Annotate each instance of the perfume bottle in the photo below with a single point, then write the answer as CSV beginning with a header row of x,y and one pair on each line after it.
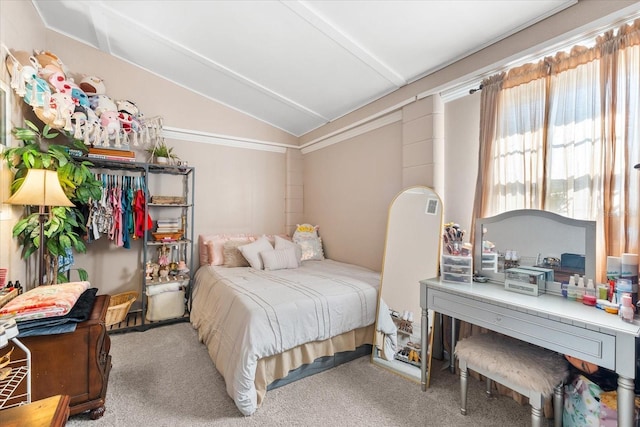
x,y
626,309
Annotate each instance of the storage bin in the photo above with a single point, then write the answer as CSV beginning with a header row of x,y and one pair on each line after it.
x,y
456,268
119,306
165,305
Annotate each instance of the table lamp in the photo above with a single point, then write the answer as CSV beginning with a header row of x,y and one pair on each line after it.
x,y
40,188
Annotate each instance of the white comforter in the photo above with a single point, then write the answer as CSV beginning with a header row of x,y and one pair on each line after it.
x,y
243,314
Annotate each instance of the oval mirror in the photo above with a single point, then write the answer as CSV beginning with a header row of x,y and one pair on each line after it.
x,y
412,252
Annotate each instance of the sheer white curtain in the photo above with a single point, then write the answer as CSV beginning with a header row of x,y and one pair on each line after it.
x,y
518,154
564,135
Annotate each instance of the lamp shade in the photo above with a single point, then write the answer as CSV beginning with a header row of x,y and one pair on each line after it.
x,y
41,187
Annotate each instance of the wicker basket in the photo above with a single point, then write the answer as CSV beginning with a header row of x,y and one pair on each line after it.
x,y
119,306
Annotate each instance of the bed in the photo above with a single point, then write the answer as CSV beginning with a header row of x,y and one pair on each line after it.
x,y
258,325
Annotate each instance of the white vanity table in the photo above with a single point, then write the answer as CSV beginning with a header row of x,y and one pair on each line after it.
x,y
548,321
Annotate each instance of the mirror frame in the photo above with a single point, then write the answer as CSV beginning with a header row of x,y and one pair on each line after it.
x,y
433,201
588,228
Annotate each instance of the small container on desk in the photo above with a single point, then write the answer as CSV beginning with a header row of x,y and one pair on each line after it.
x,y
455,268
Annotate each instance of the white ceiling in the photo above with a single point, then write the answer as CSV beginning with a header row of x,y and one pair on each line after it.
x,y
294,64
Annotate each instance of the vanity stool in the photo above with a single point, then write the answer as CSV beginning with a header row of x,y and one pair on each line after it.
x,y
530,370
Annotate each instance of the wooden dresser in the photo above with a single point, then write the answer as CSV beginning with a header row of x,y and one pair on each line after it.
x,y
76,363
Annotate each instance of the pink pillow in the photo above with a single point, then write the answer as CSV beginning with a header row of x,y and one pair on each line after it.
x,y
211,246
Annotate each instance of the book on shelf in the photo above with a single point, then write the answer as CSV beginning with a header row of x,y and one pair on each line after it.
x,y
113,158
168,230
105,154
112,152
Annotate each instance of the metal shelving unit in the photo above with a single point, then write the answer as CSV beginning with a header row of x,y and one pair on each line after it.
x,y
137,317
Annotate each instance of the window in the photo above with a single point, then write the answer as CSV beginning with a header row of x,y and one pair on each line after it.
x,y
563,135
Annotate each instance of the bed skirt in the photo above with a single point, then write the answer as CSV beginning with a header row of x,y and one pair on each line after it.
x,y
273,371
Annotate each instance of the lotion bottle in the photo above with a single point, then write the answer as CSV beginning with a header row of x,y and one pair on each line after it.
x,y
580,290
571,288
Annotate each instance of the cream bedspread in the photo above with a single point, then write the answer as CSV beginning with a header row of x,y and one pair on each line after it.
x,y
243,314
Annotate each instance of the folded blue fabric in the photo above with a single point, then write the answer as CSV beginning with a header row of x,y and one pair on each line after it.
x,y
80,312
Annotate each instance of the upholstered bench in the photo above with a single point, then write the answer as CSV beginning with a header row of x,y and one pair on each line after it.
x,y
532,371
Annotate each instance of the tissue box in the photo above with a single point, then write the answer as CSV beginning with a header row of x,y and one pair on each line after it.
x,y
165,305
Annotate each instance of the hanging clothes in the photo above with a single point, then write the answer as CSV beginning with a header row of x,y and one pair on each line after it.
x,y
126,210
139,205
119,214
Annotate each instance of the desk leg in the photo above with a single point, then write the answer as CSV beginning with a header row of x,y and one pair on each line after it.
x,y
424,348
626,402
452,359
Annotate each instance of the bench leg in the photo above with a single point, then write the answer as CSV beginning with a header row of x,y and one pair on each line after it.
x,y
488,382
558,405
536,400
463,387
536,417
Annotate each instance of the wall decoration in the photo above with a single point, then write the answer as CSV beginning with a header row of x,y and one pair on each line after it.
x,y
82,110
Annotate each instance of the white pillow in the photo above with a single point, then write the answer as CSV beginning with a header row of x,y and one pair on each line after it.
x,y
252,251
282,243
278,259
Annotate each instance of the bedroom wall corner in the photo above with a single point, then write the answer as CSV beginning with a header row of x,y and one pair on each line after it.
x,y
294,194
347,191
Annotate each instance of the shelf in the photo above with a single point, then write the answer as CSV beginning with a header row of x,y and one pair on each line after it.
x,y
137,166
173,242
9,385
183,280
15,389
180,179
169,205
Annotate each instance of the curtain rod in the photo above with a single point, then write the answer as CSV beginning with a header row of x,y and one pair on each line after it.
x,y
472,91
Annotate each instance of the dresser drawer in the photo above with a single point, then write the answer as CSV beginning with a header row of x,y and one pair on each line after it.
x,y
565,338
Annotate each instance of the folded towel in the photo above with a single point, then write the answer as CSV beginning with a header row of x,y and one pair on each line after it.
x,y
165,287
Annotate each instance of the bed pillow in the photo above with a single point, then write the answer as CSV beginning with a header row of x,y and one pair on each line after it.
x,y
281,243
278,259
306,235
252,251
311,250
232,255
211,246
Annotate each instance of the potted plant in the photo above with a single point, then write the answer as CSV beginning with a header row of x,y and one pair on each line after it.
x,y
65,226
162,153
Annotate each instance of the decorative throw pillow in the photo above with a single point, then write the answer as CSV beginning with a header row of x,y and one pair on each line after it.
x,y
232,255
278,259
252,251
281,243
311,249
306,235
305,231
211,246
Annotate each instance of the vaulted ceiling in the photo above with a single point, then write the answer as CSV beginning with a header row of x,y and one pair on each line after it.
x,y
294,64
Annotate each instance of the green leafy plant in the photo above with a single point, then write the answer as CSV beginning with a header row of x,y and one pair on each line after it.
x,y
64,226
161,149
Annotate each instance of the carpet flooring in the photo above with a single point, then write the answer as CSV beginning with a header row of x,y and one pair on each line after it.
x,y
164,377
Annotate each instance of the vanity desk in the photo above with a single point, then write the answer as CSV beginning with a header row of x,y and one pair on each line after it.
x,y
549,321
